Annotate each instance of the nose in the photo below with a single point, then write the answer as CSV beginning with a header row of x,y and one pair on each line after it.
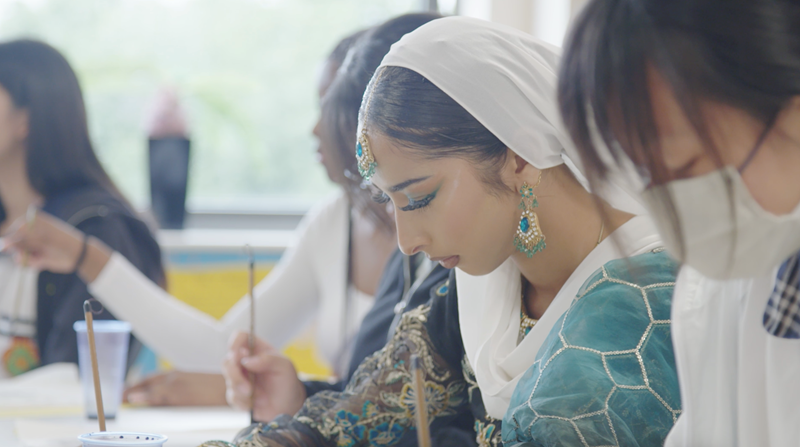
x,y
317,127
411,237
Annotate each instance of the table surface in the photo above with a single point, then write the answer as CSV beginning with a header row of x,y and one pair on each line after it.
x,y
44,409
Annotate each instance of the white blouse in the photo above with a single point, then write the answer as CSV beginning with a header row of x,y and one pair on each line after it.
x,y
309,281
739,384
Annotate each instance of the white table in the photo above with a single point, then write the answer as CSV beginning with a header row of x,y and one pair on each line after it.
x,y
44,409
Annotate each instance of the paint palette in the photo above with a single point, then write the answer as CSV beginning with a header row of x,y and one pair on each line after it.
x,y
119,439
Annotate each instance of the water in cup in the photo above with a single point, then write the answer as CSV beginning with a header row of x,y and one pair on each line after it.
x,y
111,339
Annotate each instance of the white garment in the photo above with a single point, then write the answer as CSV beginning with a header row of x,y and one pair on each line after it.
x,y
17,304
310,280
507,80
740,386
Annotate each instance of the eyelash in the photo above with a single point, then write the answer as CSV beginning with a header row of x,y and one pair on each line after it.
x,y
380,197
417,204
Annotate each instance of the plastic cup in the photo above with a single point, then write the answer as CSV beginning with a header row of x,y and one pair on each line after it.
x,y
111,338
119,439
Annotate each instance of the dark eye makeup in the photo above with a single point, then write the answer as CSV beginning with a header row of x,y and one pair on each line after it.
x,y
420,203
379,197
413,204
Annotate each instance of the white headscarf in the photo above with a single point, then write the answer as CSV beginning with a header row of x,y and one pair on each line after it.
x,y
507,80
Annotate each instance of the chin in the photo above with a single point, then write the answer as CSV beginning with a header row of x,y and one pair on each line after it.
x,y
478,269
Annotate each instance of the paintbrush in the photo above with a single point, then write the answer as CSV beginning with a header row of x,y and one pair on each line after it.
x,y
98,394
251,337
421,416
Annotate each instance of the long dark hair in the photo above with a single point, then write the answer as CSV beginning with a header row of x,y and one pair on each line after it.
x,y
339,52
743,53
341,103
59,151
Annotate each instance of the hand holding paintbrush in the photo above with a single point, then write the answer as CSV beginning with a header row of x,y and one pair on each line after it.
x,y
251,339
44,242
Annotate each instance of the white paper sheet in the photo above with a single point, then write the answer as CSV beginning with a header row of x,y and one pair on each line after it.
x,y
53,389
46,407
185,427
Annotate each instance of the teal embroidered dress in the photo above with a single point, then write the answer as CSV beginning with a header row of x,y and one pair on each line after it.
x,y
606,373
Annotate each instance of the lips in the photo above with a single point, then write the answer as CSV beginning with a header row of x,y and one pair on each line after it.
x,y
448,262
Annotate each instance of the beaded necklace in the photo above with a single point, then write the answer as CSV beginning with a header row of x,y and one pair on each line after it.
x,y
526,323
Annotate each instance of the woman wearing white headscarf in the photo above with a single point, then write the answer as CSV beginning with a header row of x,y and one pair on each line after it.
x,y
460,129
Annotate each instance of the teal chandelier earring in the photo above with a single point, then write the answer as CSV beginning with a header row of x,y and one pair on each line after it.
x,y
529,238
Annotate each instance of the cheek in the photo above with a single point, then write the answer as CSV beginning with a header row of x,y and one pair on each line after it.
x,y
478,226
7,137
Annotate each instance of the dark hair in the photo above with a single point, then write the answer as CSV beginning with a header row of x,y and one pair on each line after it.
x,y
339,52
743,53
407,107
59,152
341,104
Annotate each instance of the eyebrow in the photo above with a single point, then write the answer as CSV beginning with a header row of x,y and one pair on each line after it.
x,y
407,183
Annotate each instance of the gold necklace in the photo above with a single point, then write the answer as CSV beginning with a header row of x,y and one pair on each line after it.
x,y
600,236
526,323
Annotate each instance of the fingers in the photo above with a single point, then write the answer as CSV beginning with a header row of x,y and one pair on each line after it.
x,y
238,341
265,362
241,340
237,384
140,393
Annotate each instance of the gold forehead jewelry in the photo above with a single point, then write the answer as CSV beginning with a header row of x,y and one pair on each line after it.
x,y
364,156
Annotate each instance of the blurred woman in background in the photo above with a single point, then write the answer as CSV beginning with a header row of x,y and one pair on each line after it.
x,y
47,160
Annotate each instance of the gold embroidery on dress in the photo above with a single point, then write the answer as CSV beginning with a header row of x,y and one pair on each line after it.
x,y
378,405
488,433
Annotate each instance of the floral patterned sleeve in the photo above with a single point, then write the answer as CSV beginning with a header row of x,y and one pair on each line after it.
x,y
377,406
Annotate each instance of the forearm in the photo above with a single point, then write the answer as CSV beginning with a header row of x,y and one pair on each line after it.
x,y
189,338
97,256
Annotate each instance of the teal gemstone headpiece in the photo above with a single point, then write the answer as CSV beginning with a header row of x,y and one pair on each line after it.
x,y
364,156
366,161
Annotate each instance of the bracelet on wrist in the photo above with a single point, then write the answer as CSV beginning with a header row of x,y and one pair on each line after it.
x,y
82,256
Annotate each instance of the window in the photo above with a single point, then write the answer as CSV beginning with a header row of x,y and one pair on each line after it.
x,y
245,71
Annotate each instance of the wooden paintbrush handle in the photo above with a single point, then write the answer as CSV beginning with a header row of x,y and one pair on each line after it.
x,y
98,394
421,416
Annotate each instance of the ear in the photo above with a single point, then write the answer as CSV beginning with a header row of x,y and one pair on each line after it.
x,y
21,126
520,170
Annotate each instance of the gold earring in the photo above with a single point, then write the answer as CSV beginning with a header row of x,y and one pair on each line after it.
x,y
529,238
